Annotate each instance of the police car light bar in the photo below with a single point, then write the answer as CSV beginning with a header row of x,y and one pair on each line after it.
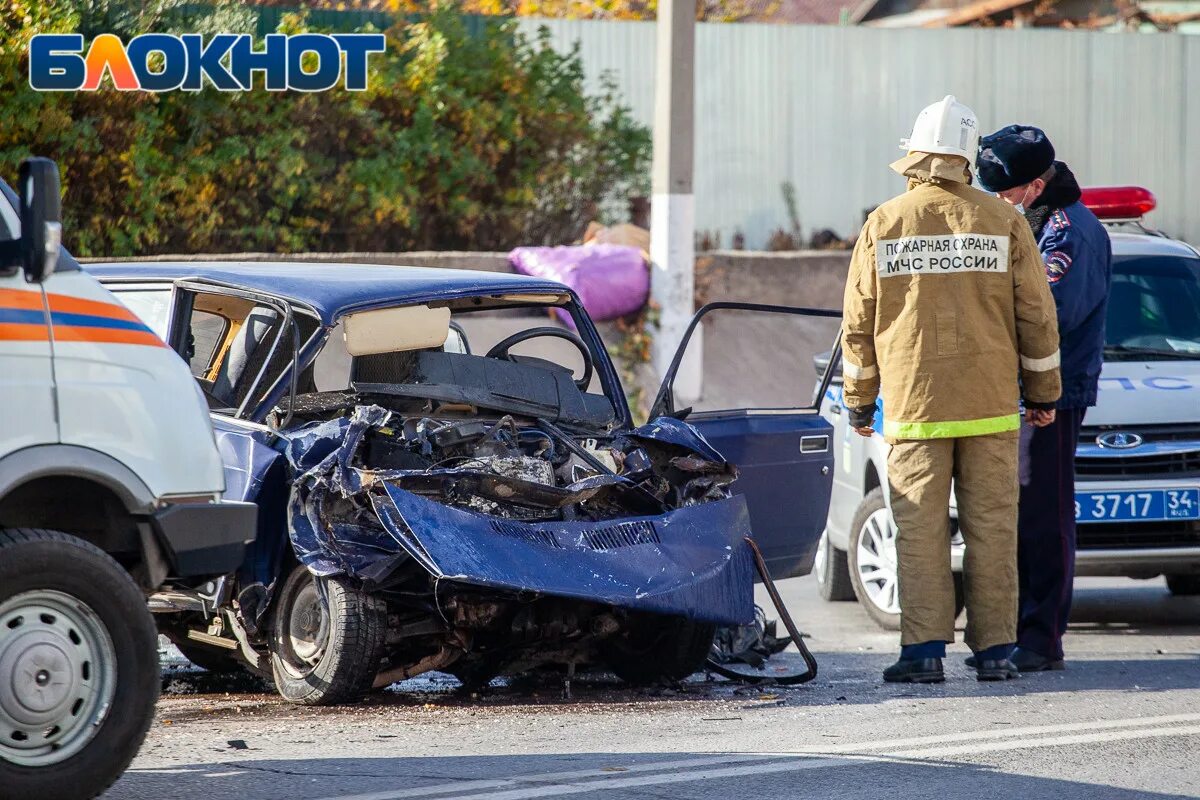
x,y
1118,202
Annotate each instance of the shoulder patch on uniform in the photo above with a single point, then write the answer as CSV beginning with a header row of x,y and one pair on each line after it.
x,y
1059,220
1057,264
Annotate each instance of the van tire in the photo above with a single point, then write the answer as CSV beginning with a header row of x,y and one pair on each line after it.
x,y
656,648
107,602
1183,585
348,640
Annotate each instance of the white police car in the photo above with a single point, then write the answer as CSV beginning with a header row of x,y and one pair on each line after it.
x,y
1137,491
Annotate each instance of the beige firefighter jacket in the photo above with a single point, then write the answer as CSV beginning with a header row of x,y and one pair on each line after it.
x,y
946,306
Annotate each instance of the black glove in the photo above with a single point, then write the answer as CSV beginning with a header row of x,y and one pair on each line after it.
x,y
861,417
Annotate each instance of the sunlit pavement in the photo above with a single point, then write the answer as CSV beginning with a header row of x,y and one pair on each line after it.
x,y
1122,722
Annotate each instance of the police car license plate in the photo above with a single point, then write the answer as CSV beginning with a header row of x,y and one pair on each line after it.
x,y
1144,504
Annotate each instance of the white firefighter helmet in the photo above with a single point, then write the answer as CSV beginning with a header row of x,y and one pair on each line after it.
x,y
946,127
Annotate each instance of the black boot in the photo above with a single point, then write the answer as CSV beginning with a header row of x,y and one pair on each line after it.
x,y
1029,661
915,670
995,669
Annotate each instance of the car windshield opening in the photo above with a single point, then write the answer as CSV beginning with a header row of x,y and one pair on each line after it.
x,y
1153,308
523,359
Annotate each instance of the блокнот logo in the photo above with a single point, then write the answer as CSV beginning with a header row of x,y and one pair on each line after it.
x,y
227,60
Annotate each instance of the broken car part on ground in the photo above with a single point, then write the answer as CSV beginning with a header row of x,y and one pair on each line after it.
x,y
426,508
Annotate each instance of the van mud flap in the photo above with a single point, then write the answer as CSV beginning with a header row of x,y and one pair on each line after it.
x,y
692,561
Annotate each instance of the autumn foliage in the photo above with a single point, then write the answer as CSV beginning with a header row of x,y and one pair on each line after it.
x,y
465,139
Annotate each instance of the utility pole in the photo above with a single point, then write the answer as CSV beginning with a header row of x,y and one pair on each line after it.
x,y
673,207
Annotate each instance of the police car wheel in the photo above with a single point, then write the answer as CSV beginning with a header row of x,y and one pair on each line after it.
x,y
832,569
872,561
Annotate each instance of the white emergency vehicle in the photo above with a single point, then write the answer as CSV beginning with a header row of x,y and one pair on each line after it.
x,y
1137,462
110,486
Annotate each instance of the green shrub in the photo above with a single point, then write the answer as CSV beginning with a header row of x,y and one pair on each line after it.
x,y
473,140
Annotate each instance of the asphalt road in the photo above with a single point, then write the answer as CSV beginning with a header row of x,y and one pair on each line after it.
x,y
1122,722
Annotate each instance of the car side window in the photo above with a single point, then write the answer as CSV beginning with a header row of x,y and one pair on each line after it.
x,y
152,306
208,335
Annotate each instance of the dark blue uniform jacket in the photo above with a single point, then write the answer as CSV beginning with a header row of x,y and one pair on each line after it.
x,y
1078,258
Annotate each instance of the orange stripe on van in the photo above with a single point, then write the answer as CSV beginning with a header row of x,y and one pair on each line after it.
x,y
21,332
75,333
79,305
25,301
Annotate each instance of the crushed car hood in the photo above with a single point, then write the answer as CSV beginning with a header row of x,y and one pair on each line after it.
x,y
690,561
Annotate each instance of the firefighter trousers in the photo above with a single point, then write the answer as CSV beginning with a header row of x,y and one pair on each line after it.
x,y
983,470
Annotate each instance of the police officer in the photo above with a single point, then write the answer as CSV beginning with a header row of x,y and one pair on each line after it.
x,y
1018,163
946,307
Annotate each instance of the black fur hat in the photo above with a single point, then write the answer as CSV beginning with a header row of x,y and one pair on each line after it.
x,y
1013,156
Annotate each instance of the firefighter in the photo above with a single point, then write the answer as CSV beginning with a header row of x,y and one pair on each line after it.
x,y
1017,162
949,318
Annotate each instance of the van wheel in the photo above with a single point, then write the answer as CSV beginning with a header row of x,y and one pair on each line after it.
x,y
79,669
873,564
1183,585
327,639
832,569
655,648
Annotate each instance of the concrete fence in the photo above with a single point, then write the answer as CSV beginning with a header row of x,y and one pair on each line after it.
x,y
824,108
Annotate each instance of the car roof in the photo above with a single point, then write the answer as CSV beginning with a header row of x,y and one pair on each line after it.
x,y
332,289
1126,243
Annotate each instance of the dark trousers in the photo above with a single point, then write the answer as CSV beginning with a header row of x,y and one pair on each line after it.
x,y
1046,532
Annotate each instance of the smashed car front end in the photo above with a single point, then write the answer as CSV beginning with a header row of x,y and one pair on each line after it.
x,y
521,513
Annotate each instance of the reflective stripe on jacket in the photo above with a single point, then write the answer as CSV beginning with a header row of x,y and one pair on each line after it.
x,y
947,310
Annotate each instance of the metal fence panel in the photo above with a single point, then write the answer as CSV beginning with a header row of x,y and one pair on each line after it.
x,y
824,107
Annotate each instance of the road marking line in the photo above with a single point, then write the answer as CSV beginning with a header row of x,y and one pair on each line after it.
x,y
598,772
796,764
994,733
734,758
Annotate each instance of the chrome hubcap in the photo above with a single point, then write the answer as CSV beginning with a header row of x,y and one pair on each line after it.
x,y
57,677
308,629
877,570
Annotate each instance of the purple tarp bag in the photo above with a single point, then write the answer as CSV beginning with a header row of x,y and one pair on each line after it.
x,y
611,280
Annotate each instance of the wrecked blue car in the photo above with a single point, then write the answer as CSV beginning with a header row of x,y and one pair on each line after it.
x,y
447,480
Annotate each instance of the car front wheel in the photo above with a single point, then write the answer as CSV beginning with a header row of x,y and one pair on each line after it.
x,y
327,639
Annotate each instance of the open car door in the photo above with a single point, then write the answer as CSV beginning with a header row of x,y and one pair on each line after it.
x,y
783,450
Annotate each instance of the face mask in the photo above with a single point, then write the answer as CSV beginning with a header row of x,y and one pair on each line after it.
x,y
1020,207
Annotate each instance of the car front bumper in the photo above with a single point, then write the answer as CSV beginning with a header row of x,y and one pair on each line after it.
x,y
205,538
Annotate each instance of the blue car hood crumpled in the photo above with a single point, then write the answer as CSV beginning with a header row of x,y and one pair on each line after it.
x,y
692,561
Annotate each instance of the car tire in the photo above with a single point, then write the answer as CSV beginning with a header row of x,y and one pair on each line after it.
x,y
325,652
66,607
832,570
1183,585
655,648
873,529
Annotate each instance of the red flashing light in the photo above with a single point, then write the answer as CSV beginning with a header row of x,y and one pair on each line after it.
x,y
1118,202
